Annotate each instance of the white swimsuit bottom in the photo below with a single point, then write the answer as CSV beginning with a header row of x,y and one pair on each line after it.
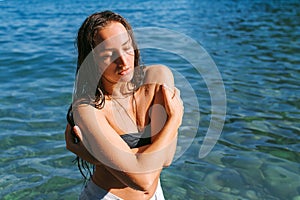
x,y
94,192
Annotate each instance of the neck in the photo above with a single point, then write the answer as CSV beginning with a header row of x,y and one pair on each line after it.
x,y
117,90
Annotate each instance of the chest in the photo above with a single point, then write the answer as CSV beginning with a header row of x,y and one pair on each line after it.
x,y
131,114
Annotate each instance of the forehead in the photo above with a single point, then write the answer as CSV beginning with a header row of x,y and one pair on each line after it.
x,y
112,35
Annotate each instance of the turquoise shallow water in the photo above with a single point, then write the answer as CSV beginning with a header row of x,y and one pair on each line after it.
x,y
255,45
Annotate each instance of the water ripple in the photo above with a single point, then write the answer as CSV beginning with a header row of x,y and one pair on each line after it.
x,y
256,48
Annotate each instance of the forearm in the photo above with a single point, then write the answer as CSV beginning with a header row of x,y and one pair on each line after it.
x,y
85,155
170,153
155,156
137,181
164,139
137,170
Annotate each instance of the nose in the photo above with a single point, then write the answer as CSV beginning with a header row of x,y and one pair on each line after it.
x,y
121,60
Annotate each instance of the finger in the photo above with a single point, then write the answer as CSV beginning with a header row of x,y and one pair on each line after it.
x,y
177,97
69,138
67,133
77,133
167,87
167,96
177,91
68,127
166,91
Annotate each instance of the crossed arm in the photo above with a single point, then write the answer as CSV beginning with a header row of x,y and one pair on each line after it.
x,y
136,168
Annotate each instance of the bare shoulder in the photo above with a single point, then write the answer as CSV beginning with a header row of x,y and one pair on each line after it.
x,y
158,74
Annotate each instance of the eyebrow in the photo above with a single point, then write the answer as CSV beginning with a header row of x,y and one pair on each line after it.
x,y
126,42
111,49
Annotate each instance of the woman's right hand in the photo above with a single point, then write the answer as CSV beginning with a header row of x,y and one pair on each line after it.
x,y
173,103
73,144
77,148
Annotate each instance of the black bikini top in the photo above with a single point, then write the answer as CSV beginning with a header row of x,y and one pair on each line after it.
x,y
135,140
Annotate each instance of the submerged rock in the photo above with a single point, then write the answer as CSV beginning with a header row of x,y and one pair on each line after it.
x,y
281,182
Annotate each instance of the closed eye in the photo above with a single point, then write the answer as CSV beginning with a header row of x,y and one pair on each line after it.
x,y
106,55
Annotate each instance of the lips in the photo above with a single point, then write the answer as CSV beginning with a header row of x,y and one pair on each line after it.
x,y
124,72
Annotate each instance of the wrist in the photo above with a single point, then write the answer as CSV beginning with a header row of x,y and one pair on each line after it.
x,y
175,120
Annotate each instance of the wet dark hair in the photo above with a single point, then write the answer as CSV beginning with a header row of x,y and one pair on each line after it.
x,y
85,42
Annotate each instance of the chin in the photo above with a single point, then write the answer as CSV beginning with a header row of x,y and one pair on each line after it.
x,y
127,78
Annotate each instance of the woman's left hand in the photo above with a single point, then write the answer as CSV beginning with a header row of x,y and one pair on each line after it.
x,y
173,103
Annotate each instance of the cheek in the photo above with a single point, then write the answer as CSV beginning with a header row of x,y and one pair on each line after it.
x,y
131,60
110,70
106,71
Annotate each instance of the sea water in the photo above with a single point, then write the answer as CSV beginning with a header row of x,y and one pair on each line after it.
x,y
255,46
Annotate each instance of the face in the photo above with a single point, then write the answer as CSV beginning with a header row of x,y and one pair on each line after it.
x,y
114,53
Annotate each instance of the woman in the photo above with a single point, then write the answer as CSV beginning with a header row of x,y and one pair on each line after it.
x,y
126,116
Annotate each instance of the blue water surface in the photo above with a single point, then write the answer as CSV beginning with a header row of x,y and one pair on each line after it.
x,y
256,46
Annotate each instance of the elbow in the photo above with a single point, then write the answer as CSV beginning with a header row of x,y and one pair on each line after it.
x,y
137,181
144,186
169,160
168,163
144,182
